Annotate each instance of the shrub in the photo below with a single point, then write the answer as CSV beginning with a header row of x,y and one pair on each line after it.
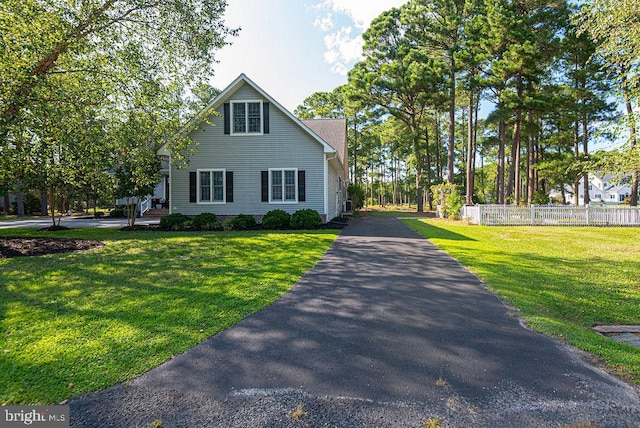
x,y
175,221
240,222
206,221
357,196
117,212
305,219
540,198
448,199
30,202
276,219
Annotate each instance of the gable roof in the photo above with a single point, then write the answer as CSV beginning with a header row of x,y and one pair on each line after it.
x,y
241,80
333,131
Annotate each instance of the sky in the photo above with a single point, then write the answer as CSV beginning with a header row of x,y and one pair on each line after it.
x,y
293,48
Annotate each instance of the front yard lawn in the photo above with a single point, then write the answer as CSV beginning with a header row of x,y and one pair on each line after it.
x,y
564,280
78,322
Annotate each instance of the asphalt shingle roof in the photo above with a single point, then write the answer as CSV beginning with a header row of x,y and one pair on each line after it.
x,y
333,132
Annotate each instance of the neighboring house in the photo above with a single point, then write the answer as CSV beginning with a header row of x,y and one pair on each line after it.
x,y
601,190
259,157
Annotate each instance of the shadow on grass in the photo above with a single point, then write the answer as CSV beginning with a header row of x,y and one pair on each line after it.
x,y
74,323
430,231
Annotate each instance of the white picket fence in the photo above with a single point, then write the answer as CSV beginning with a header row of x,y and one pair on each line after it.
x,y
551,215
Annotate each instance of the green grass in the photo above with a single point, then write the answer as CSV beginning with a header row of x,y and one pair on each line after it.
x,y
564,280
397,211
79,322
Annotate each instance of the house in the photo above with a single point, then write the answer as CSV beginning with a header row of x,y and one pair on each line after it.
x,y
258,157
603,188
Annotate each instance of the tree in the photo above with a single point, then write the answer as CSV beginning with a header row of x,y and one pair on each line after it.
x,y
436,26
589,89
102,36
399,78
326,105
137,133
101,56
523,42
615,25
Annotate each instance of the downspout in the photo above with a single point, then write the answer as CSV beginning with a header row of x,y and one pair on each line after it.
x,y
170,184
326,185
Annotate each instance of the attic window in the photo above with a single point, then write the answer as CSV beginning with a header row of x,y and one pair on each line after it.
x,y
246,117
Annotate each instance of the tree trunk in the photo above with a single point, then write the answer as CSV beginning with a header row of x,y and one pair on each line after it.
x,y
585,151
438,148
500,173
452,120
19,200
43,202
632,140
428,176
514,165
470,153
517,179
576,150
416,152
531,161
355,178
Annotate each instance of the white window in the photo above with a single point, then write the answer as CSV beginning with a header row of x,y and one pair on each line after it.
x,y
211,186
246,117
283,185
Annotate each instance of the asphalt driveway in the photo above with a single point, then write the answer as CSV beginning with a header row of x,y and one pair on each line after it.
x,y
75,222
386,330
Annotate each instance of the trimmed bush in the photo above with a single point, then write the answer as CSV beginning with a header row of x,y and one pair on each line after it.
x,y
305,219
206,221
117,212
240,222
276,219
175,221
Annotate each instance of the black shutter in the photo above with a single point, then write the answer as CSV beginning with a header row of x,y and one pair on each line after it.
x,y
265,186
227,118
302,195
265,118
229,186
193,193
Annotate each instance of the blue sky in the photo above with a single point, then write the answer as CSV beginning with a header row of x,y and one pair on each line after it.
x,y
293,48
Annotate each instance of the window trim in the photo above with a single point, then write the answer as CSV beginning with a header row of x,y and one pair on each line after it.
x,y
246,103
284,201
199,200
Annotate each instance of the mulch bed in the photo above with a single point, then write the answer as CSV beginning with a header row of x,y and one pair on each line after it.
x,y
19,247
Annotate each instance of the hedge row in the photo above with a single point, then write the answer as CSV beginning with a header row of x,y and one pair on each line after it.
x,y
275,219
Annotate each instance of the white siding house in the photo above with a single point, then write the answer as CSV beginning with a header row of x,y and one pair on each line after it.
x,y
603,188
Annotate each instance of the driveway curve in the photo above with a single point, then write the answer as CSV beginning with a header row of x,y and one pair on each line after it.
x,y
385,331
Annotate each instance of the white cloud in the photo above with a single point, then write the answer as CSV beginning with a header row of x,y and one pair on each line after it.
x,y
324,24
362,12
341,46
344,46
339,68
